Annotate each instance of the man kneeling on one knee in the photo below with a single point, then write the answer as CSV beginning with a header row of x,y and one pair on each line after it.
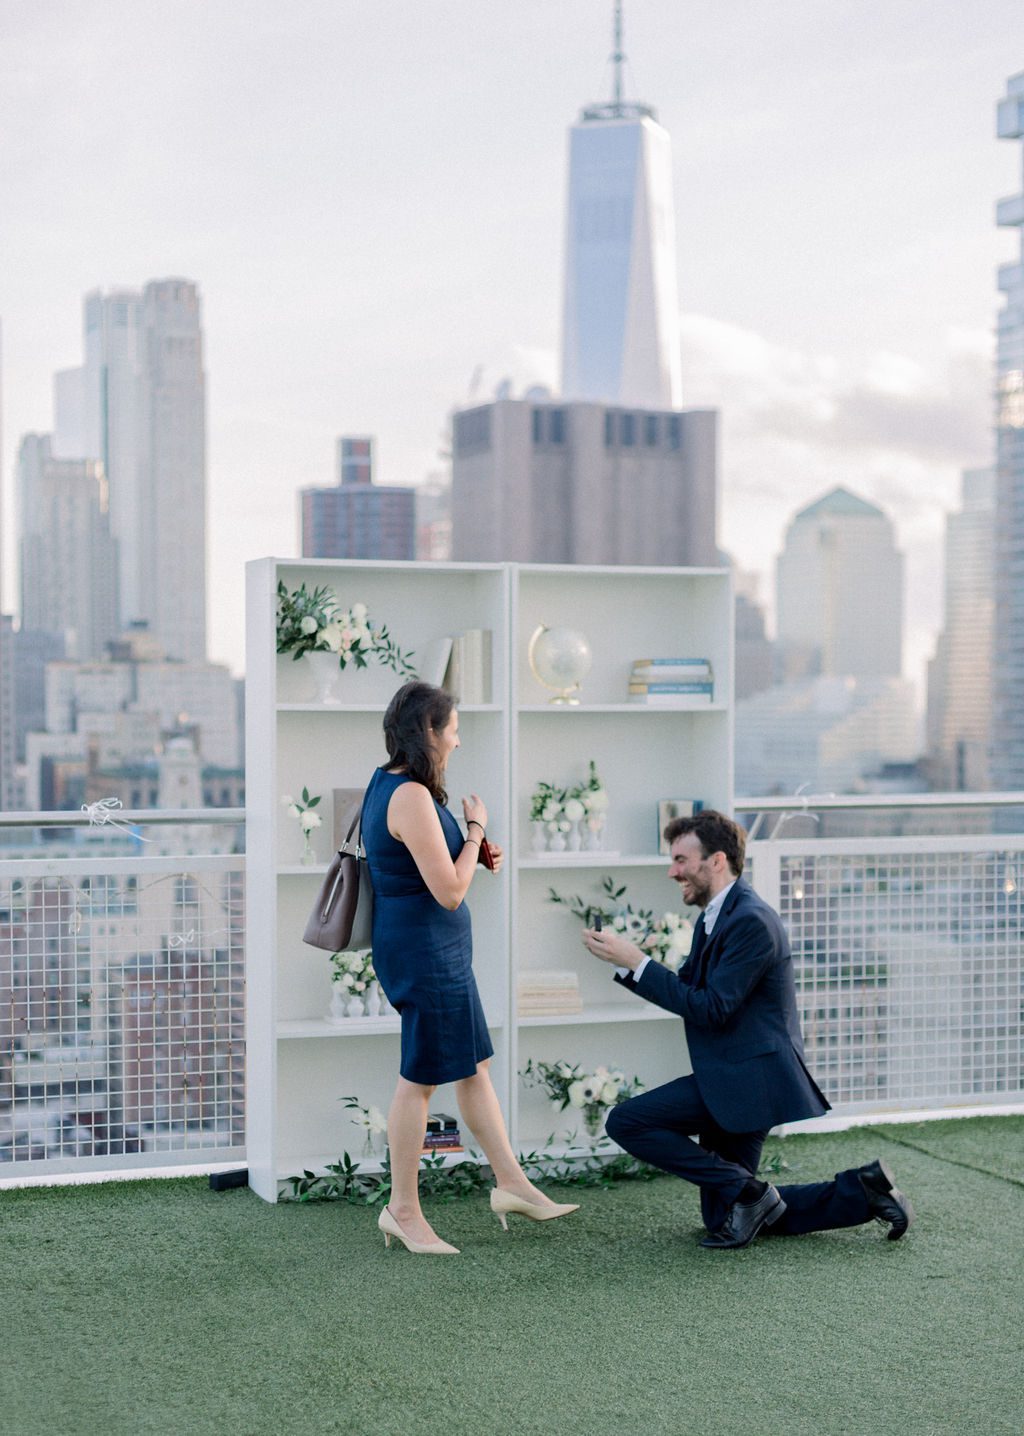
x,y
737,998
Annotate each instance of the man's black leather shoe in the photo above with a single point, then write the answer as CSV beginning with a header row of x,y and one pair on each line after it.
x,y
885,1201
745,1219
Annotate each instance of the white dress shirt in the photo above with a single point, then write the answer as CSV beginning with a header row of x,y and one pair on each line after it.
x,y
708,917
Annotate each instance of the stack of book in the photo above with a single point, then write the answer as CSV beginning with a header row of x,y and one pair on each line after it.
x,y
442,1134
672,682
549,994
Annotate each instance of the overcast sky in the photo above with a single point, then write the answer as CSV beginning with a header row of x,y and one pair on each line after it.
x,y
371,198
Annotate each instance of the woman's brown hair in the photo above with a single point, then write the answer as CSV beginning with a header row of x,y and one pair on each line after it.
x,y
416,710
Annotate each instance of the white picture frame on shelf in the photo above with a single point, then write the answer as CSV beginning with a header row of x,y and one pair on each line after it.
x,y
669,808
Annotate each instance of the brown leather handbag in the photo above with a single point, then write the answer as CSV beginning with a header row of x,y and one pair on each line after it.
x,y
342,915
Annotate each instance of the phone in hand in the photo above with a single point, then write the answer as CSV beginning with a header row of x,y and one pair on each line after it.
x,y
485,855
597,922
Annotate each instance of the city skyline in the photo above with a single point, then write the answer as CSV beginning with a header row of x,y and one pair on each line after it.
x,y
366,253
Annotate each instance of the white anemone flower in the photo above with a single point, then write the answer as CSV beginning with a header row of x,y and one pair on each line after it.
x,y
310,820
576,1094
309,624
574,810
610,1091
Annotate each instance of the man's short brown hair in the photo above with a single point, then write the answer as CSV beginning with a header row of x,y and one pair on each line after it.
x,y
716,834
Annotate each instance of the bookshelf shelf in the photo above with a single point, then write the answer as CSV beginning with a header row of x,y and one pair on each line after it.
x,y
587,708
559,862
635,1011
296,1067
374,708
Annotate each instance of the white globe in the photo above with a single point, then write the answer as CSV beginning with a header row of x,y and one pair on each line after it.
x,y
560,658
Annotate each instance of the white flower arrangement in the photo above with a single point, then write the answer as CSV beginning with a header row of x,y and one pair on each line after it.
x,y
590,1093
353,970
303,809
311,621
593,797
371,1118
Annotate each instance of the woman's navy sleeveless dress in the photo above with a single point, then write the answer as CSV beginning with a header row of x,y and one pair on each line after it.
x,y
422,952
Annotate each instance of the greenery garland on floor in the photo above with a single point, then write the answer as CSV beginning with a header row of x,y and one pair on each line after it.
x,y
344,1181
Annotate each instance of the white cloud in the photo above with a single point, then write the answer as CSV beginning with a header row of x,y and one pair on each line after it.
x,y
795,424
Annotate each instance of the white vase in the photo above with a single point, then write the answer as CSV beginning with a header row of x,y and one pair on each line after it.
x,y
339,997
326,671
575,837
356,1006
593,836
386,1010
308,854
373,999
556,842
539,837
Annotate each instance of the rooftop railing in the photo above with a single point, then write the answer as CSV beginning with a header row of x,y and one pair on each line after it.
x,y
122,987
122,991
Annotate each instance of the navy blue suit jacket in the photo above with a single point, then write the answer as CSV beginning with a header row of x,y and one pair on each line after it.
x,y
736,996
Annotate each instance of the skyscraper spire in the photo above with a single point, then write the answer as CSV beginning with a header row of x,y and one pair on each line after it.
x,y
618,107
618,58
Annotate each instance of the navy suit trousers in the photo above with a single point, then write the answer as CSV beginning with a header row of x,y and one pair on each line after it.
x,y
671,1128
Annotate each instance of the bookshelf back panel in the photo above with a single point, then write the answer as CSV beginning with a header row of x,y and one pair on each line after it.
x,y
640,758
625,615
417,605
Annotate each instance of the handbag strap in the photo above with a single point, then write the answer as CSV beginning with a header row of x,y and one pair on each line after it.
x,y
358,851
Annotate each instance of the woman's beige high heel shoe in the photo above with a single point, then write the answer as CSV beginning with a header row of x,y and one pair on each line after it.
x,y
502,1203
390,1228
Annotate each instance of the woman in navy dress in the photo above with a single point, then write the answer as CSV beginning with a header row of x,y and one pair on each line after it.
x,y
421,868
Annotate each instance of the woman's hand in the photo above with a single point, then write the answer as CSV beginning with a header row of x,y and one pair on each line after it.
x,y
473,811
612,947
498,854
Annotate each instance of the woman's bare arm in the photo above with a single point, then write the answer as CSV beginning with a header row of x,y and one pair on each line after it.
x,y
414,821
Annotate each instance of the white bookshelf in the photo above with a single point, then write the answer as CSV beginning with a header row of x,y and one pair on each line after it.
x,y
298,1064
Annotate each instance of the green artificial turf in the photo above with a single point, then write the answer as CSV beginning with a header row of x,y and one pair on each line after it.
x,y
143,1307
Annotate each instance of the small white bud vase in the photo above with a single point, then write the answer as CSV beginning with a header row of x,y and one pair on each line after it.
x,y
539,836
557,842
356,1006
373,1000
339,997
575,838
593,836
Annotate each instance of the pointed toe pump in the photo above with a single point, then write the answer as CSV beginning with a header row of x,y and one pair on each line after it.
x,y
389,1226
503,1203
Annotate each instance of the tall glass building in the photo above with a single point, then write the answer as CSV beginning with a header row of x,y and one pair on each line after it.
x,y
620,327
1008,651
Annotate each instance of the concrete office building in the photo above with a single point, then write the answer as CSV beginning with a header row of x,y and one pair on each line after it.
x,y
68,555
1008,627
358,518
544,482
960,673
840,592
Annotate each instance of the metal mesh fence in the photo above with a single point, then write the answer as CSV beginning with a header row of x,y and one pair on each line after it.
x,y
909,971
121,1013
